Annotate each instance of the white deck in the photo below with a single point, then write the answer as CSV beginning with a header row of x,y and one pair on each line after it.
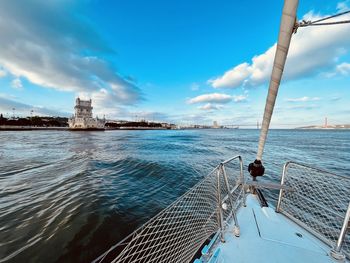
x,y
266,236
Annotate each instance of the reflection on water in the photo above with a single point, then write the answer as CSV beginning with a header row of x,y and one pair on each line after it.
x,y
69,196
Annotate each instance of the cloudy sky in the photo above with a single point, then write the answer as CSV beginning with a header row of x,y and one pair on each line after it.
x,y
180,61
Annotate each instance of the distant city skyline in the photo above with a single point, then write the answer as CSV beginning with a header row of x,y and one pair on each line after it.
x,y
182,62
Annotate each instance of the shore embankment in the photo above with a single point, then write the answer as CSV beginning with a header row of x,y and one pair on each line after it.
x,y
34,128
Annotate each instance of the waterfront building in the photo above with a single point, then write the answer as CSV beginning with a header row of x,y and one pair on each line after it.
x,y
83,118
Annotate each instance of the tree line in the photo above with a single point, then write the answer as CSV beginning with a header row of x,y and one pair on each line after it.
x,y
133,124
36,121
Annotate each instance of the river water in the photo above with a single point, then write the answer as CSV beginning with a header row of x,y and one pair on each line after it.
x,y
69,196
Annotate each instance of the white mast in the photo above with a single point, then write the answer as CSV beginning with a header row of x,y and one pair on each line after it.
x,y
286,30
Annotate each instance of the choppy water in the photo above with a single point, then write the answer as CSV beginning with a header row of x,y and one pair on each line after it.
x,y
68,196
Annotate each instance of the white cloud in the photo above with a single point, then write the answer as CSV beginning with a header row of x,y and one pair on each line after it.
x,y
343,6
21,109
302,107
104,103
217,98
3,73
43,42
146,115
187,119
240,98
312,50
210,107
194,86
212,97
335,98
343,68
16,84
233,77
303,99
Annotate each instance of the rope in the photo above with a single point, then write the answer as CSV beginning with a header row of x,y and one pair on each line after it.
x,y
304,23
326,24
329,17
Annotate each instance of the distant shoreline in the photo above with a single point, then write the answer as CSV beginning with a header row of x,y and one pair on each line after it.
x,y
347,127
33,128
322,129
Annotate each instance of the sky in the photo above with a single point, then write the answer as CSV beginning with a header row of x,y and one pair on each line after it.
x,y
185,62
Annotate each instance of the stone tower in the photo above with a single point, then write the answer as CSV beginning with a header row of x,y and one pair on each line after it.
x,y
83,108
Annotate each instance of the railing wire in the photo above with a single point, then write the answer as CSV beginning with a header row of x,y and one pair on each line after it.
x,y
178,232
318,203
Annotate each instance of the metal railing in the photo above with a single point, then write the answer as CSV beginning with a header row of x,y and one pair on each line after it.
x,y
178,232
320,203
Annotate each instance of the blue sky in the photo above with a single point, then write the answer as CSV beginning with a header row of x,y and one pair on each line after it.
x,y
177,61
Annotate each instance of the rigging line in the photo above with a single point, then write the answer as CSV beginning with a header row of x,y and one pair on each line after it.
x,y
324,24
329,17
305,23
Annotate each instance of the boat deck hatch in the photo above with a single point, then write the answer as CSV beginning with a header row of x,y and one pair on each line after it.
x,y
273,228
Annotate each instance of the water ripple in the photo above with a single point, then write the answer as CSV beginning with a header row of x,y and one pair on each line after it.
x,y
67,197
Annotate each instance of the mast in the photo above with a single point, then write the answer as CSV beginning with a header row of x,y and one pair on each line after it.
x,y
286,30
